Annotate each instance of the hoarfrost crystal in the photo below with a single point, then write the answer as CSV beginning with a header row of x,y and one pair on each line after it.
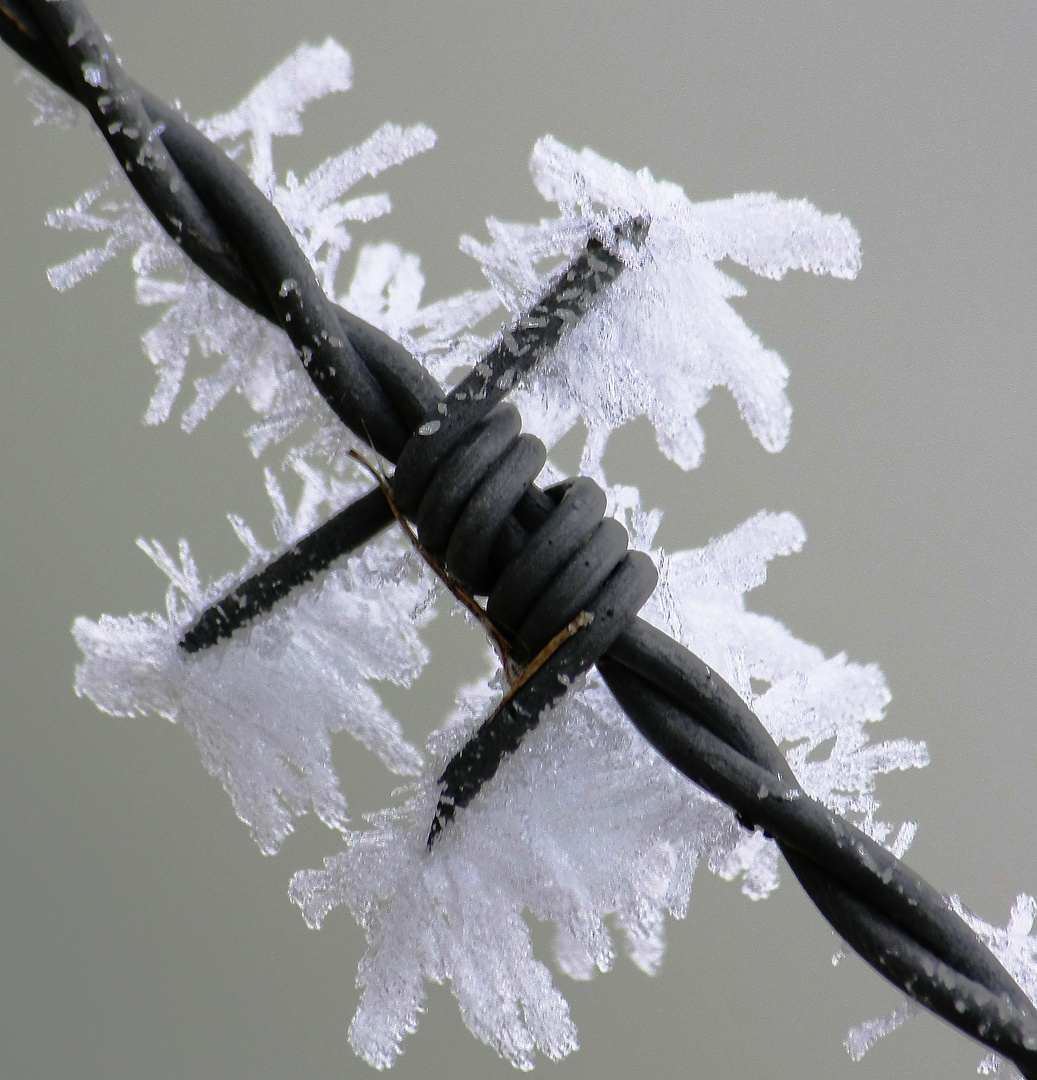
x,y
255,358
263,706
1015,946
585,820
861,1038
665,334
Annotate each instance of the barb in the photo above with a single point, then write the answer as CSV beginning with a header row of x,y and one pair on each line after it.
x,y
448,802
345,532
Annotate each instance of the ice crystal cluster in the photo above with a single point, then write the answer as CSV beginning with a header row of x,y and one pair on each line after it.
x,y
584,821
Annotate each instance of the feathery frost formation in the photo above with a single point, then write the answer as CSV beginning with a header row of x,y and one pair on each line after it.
x,y
585,820
263,707
664,336
255,358
1015,946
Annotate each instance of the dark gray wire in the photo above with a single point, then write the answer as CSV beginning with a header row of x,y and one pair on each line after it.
x,y
541,556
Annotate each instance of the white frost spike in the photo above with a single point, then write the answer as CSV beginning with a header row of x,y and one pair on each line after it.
x,y
263,706
1015,945
584,822
811,699
386,291
128,225
258,357
664,335
276,104
993,1065
53,106
860,1039
254,357
314,210
902,841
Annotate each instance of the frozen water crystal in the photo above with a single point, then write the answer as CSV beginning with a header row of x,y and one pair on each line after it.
x,y
1015,945
263,706
52,106
863,1037
665,334
585,820
254,357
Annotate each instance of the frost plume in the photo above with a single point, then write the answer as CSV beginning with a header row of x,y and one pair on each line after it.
x,y
53,107
263,706
585,821
275,105
862,1038
1015,946
124,223
253,357
664,335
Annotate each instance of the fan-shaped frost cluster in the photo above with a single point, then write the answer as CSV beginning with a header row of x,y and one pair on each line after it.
x,y
585,820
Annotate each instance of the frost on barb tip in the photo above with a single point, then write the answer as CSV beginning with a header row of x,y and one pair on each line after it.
x,y
665,334
585,821
263,706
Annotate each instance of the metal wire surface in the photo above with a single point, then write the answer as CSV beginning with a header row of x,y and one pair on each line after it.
x,y
464,476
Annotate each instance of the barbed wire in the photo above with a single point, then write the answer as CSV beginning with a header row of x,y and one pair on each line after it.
x,y
464,477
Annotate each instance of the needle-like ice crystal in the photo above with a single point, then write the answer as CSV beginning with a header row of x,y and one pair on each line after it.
x,y
585,820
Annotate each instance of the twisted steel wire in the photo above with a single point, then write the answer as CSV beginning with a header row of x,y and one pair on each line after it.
x,y
464,474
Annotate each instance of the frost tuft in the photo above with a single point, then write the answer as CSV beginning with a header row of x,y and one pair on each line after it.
x,y
1015,946
253,357
263,706
860,1039
585,821
53,106
665,334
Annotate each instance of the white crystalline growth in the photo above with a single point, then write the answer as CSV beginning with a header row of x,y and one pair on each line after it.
x,y
53,106
263,706
1015,946
315,208
276,104
585,820
664,335
864,1036
254,357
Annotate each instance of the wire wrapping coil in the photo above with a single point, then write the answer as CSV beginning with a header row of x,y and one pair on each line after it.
x,y
538,554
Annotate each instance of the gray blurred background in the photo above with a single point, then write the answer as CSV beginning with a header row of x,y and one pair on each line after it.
x,y
142,934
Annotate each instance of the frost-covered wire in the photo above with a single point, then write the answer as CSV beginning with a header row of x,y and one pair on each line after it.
x,y
489,532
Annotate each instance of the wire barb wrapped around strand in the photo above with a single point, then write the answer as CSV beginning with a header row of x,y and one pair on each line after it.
x,y
464,476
